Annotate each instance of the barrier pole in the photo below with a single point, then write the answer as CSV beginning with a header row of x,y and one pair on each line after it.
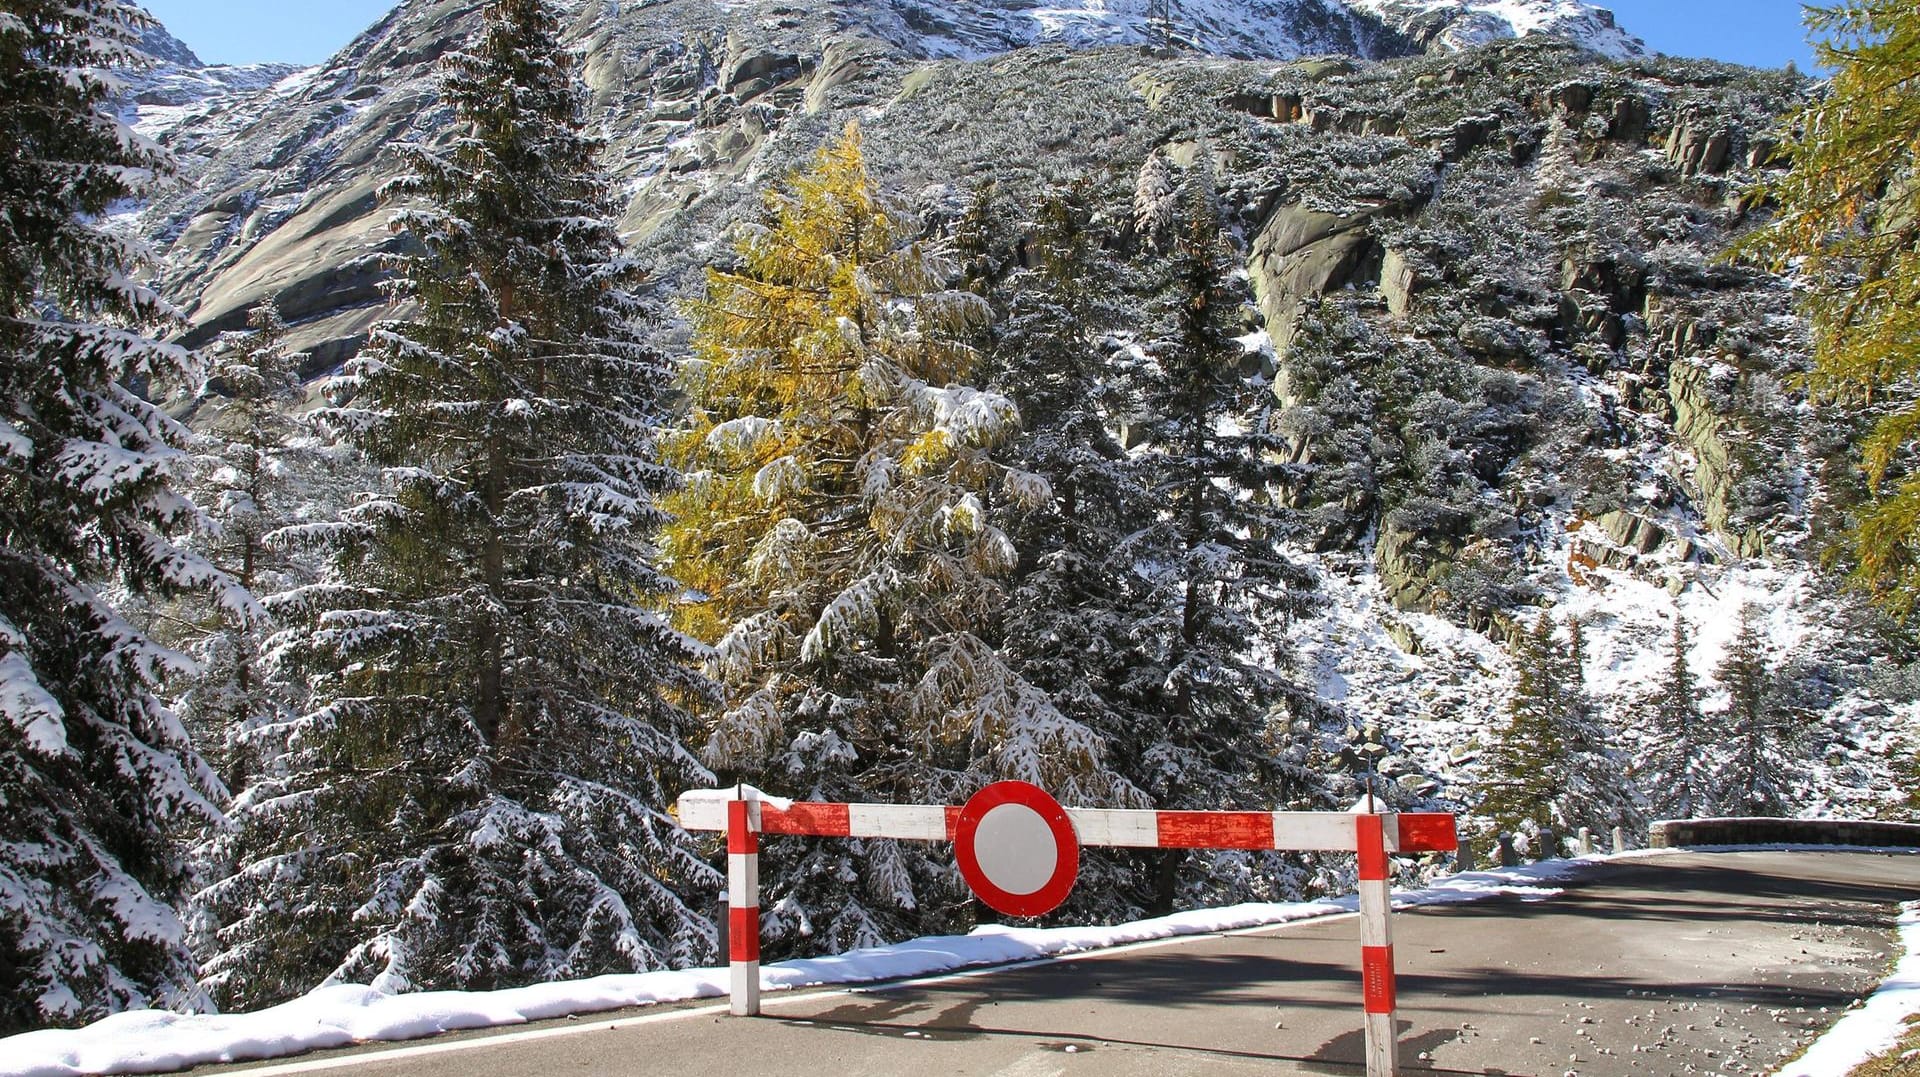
x,y
1376,946
743,909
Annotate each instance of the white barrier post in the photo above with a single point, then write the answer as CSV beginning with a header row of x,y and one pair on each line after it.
x,y
743,909
1376,947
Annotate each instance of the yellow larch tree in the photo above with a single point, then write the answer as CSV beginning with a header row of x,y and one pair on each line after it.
x,y
1849,226
837,530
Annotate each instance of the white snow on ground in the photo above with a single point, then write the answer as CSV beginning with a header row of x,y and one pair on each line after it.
x,y
1875,1028
1445,703
153,1041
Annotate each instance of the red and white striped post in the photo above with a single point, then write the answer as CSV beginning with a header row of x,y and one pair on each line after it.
x,y
1376,945
1372,837
743,905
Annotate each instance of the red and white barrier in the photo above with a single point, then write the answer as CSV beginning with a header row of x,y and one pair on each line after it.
x,y
1006,834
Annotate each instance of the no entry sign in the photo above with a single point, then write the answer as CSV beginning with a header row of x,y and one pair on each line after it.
x,y
1017,849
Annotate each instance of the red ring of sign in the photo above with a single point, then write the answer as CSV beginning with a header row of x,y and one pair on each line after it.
x,y
1066,866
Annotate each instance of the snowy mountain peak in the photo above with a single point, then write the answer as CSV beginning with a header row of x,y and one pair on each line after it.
x,y
162,46
1451,25
1247,29
177,87
1237,28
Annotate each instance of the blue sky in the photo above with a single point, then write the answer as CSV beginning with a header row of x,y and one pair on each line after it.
x,y
1762,32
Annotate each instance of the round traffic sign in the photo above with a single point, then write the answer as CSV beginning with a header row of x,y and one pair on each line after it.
x,y
1017,849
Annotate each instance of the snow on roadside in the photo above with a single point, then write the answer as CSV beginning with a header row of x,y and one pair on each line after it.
x,y
1876,1027
155,1041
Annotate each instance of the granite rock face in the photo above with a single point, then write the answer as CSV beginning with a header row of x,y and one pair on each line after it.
x,y
282,161
1483,194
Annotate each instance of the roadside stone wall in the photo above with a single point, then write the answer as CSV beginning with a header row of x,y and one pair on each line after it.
x,y
1679,833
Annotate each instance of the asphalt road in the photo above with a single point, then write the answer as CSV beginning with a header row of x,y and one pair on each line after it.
x,y
1695,964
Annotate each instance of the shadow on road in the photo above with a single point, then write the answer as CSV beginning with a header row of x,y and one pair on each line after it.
x,y
1316,964
1340,1057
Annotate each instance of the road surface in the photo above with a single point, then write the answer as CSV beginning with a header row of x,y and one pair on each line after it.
x,y
1688,964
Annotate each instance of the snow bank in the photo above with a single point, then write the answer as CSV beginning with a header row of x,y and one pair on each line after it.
x,y
1874,1028
151,1041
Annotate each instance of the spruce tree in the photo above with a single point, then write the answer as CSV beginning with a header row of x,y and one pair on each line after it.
x,y
1596,793
483,798
97,778
1215,582
254,462
1068,623
1069,618
1156,203
1676,769
1553,767
1520,770
1764,738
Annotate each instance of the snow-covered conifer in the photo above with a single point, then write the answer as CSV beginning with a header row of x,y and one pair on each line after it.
x,y
1675,769
1764,739
251,459
1217,584
1072,498
97,778
838,525
481,796
1156,202
1553,766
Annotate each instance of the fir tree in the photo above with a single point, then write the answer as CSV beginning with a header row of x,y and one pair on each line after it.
x,y
1069,619
1156,203
254,457
1676,769
482,800
1553,766
1214,578
1763,737
986,244
97,777
838,525
1074,496
1520,768
1335,426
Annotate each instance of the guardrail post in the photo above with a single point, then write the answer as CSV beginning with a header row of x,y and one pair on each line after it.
x,y
743,909
1619,840
1586,841
1376,947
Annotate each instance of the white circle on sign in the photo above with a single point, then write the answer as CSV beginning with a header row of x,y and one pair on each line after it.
x,y
1016,849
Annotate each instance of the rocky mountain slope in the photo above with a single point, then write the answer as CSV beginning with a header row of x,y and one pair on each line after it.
x,y
1485,273
186,104
281,195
